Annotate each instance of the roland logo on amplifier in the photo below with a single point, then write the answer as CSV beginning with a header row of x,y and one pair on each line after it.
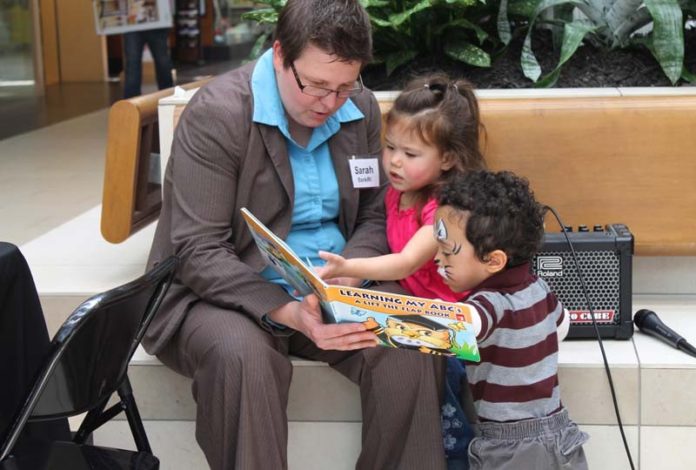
x,y
549,266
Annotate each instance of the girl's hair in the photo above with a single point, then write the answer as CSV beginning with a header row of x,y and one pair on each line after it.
x,y
444,113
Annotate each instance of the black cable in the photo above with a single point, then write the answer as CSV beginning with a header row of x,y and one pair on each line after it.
x,y
596,328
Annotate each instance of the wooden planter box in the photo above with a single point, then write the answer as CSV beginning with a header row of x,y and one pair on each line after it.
x,y
598,156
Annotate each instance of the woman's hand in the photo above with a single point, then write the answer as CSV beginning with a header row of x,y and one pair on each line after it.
x,y
305,317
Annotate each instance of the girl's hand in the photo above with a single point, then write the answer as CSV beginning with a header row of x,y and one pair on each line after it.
x,y
334,267
336,270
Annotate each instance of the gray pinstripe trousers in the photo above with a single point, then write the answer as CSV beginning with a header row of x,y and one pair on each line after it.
x,y
241,377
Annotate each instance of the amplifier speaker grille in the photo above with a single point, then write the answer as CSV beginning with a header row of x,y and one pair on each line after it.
x,y
605,259
601,274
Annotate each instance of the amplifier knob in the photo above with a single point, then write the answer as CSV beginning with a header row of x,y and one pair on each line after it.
x,y
598,228
583,228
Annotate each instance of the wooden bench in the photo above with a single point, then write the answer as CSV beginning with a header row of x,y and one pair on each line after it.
x,y
597,160
132,198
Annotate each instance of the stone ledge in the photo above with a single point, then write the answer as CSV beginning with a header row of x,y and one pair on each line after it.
x,y
320,446
318,393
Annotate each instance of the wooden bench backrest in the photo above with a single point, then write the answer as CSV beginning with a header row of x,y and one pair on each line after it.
x,y
606,160
595,160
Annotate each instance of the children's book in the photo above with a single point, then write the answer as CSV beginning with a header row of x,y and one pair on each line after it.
x,y
399,321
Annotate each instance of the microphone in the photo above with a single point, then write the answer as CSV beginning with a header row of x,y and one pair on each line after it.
x,y
649,323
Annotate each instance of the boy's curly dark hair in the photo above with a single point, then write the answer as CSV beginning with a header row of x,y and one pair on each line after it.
x,y
502,213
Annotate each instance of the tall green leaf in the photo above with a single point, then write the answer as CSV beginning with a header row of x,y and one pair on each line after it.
x,y
573,34
503,23
530,65
667,36
529,62
621,36
621,10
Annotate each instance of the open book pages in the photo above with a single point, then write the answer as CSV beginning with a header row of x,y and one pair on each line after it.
x,y
400,321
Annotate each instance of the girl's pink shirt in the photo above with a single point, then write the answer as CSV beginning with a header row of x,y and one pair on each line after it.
x,y
402,225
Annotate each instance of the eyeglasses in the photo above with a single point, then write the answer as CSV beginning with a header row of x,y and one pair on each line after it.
x,y
320,92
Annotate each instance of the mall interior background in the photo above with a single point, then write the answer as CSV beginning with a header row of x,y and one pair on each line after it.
x,y
54,66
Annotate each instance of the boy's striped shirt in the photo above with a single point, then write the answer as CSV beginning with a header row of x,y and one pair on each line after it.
x,y
517,377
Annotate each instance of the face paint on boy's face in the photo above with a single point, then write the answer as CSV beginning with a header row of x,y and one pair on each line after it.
x,y
440,229
456,261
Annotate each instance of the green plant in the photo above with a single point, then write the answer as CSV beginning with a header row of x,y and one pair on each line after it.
x,y
472,31
609,24
406,29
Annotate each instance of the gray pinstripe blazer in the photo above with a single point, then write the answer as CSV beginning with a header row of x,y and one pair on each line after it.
x,y
220,162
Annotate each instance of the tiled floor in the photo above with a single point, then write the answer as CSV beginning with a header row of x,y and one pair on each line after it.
x,y
23,109
52,151
50,175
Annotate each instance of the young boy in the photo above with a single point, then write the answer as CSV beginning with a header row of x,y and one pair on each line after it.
x,y
488,227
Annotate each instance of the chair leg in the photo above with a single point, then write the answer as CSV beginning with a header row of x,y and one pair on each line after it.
x,y
125,392
89,424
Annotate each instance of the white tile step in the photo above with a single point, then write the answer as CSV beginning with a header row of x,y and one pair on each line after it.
x,y
335,446
318,393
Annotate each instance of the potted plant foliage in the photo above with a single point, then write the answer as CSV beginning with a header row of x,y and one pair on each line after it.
x,y
468,37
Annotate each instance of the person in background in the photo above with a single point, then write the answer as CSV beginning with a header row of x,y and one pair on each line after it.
x,y
277,136
133,45
488,228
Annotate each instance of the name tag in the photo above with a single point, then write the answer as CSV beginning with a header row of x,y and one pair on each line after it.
x,y
365,172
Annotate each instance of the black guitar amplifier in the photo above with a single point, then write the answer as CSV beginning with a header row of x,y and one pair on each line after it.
x,y
605,257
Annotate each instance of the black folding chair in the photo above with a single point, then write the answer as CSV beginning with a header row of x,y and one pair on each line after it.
x,y
87,363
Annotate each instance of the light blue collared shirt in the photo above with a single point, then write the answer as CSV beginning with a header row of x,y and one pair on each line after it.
x,y
315,213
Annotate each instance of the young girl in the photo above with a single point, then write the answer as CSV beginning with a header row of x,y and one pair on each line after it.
x,y
432,133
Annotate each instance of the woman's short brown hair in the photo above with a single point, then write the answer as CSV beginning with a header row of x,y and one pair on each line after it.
x,y
337,27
